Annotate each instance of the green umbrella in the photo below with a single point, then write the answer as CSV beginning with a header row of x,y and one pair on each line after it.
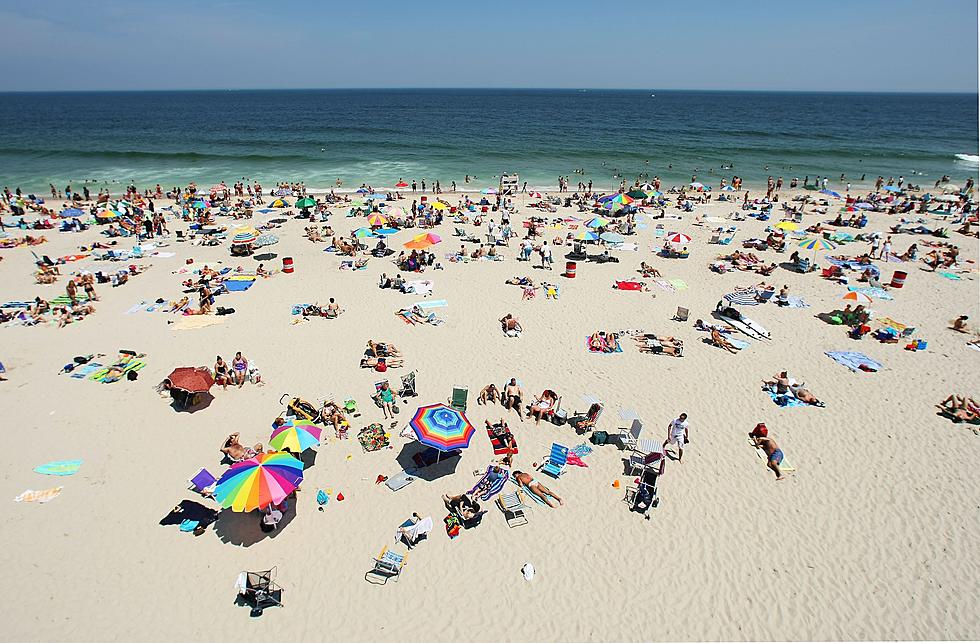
x,y
305,203
636,194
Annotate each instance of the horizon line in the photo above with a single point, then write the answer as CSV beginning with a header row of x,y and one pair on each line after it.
x,y
500,88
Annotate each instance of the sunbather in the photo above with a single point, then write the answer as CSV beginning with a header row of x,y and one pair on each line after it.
x,y
648,271
513,396
381,364
488,394
236,451
542,405
722,342
538,489
494,474
334,415
779,383
510,326
961,408
806,396
222,374
959,324
462,505
774,453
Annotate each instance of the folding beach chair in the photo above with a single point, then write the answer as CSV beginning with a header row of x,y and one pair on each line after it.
x,y
629,437
259,590
555,464
587,421
682,314
512,506
458,399
387,565
203,481
408,386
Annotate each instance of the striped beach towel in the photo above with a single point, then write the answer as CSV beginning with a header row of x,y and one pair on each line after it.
x,y
39,496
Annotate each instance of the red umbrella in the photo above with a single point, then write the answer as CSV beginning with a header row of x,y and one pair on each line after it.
x,y
401,184
191,379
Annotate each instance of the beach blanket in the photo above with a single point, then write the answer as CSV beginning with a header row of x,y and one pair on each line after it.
x,y
495,487
619,348
16,304
59,468
785,400
665,285
432,303
423,287
796,302
888,322
498,445
853,265
39,496
238,285
528,493
575,460
876,293
949,275
854,360
65,300
738,343
82,372
629,285
373,438
583,449
191,322
102,375
679,284
746,298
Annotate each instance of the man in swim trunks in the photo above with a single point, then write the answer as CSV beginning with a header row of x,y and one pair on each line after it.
x,y
236,451
538,489
774,453
513,396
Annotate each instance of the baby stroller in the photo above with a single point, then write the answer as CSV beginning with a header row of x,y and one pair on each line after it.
x,y
259,590
644,496
408,386
300,408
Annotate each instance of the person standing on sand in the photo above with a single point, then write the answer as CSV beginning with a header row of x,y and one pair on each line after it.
x,y
677,433
546,258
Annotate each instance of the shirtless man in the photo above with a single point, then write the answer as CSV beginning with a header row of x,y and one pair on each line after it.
x,y
236,451
538,489
488,394
780,382
773,452
806,396
721,341
510,326
513,395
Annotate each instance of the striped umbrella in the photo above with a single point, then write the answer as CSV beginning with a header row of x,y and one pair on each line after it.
x,y
678,237
597,222
255,483
362,233
858,297
244,236
297,436
279,203
585,235
817,243
442,427
423,241
377,219
742,298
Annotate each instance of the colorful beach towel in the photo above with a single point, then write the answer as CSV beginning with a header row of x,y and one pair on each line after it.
x,y
39,496
59,468
588,346
854,360
84,371
949,275
876,293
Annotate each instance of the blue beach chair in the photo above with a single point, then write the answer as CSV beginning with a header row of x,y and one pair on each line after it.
x,y
555,465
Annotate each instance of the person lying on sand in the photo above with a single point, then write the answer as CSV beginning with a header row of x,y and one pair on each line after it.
x,y
962,408
381,364
466,507
538,489
333,414
510,326
236,451
805,396
648,270
381,349
773,452
520,281
722,342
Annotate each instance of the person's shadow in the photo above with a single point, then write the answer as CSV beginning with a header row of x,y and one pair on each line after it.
x,y
245,528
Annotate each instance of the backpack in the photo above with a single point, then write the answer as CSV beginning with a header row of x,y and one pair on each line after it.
x,y
599,437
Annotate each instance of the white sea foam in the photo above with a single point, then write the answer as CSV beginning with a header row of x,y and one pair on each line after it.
x,y
968,159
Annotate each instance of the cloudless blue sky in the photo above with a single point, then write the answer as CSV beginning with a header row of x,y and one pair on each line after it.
x,y
856,45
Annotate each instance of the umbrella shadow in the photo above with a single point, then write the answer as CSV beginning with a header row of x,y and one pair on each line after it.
x,y
190,510
202,401
265,256
245,528
444,467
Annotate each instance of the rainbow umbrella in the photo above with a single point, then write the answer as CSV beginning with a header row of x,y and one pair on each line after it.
x,y
377,219
244,236
297,436
422,241
305,203
442,427
859,297
597,222
255,483
817,243
586,235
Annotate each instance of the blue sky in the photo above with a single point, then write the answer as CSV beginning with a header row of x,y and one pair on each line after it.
x,y
859,45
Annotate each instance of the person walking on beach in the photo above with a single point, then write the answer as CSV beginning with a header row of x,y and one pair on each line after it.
x,y
546,258
677,433
415,186
886,249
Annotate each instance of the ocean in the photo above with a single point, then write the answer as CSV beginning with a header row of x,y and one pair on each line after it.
x,y
381,136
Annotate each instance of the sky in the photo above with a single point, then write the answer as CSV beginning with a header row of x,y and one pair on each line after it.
x,y
828,45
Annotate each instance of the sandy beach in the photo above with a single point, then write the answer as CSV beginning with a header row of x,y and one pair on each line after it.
x,y
871,537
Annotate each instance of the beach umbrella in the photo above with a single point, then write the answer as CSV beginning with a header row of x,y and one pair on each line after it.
x,y
636,193
442,427
612,237
199,205
362,190
439,205
258,482
817,243
297,436
697,186
678,237
191,379
377,196
647,186
279,203
423,241
361,233
72,212
377,219
830,193
655,194
889,188
597,222
245,235
534,195
585,235
864,206
789,226
858,297
108,214
488,191
306,202
728,188
394,212
401,184
385,231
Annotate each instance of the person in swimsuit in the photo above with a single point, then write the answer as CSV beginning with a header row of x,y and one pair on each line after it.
x,y
512,397
240,366
221,374
387,397
774,453
538,489
236,451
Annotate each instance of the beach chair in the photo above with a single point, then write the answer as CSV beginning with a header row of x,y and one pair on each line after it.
x,y
387,565
495,488
412,532
555,464
458,399
300,408
587,421
512,506
629,437
682,314
203,481
643,497
259,589
714,239
408,386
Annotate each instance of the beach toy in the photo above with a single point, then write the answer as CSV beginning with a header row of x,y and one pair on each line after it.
x,y
340,497
615,484
287,265
570,267
898,279
528,571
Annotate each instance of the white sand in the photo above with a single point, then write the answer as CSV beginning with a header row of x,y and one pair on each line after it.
x,y
873,537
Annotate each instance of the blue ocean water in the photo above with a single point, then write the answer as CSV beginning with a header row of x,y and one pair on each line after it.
x,y
381,136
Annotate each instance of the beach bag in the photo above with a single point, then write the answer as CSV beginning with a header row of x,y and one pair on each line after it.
x,y
599,438
452,526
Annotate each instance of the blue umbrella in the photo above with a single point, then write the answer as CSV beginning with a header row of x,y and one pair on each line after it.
x,y
830,193
377,196
612,237
72,212
386,231
864,206
892,188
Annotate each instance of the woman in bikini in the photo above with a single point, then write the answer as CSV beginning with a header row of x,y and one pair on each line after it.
x,y
240,366
221,374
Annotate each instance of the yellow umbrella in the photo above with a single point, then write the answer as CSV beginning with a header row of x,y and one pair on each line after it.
x,y
377,219
439,205
789,226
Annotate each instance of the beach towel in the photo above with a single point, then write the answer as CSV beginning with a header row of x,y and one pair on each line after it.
x,y
949,275
498,445
738,343
854,360
665,285
495,487
39,496
619,348
59,468
854,265
747,298
679,284
575,459
888,322
582,450
135,308
527,492
82,372
785,400
238,285
629,285
17,304
432,303
784,466
796,302
191,322
876,293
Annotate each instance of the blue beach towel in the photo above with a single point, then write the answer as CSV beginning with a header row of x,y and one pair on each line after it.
x,y
854,360
59,468
435,303
84,371
238,285
787,401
